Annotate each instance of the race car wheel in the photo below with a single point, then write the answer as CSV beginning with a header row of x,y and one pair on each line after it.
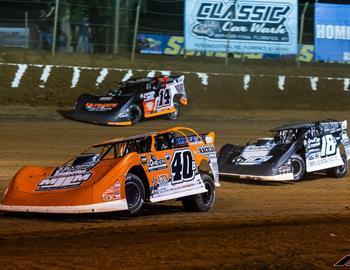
x,y
135,113
298,167
340,171
135,194
201,202
175,114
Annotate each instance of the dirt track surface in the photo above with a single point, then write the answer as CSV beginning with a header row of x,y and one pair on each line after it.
x,y
252,226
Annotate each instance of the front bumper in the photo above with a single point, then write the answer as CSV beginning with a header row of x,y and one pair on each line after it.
x,y
102,118
280,177
112,206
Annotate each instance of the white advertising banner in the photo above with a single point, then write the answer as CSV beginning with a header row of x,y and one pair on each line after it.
x,y
243,26
14,37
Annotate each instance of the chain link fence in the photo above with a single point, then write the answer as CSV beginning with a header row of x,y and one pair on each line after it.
x,y
109,27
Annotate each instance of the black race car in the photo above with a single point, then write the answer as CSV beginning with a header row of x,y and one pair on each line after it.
x,y
133,100
293,151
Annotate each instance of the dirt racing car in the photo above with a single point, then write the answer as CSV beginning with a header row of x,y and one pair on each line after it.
x,y
121,174
293,151
134,99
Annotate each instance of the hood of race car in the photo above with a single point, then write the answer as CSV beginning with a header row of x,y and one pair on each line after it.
x,y
262,158
64,185
103,109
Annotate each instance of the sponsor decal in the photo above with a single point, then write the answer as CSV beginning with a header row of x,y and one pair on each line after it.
x,y
167,187
154,187
148,96
252,160
312,143
112,193
143,159
332,30
180,88
206,150
105,98
100,106
160,184
175,45
67,177
253,26
257,153
150,105
286,168
163,180
155,164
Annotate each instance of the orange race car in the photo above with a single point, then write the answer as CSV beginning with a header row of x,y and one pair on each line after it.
x,y
122,174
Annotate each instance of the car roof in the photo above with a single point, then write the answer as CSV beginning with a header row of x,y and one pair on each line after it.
x,y
294,126
125,139
144,80
145,135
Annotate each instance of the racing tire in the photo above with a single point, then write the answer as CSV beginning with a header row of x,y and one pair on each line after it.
x,y
134,193
175,114
340,171
298,167
225,152
135,114
201,202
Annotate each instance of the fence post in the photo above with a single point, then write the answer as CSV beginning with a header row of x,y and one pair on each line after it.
x,y
26,29
116,26
53,49
136,28
301,33
229,33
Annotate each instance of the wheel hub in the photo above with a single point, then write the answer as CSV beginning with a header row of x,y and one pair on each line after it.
x,y
132,193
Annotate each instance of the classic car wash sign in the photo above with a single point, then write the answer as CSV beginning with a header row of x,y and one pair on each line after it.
x,y
332,32
242,26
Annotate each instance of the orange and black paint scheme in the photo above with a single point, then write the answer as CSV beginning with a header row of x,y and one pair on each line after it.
x,y
121,174
134,100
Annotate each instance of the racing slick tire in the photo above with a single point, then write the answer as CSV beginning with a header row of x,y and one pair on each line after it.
x,y
135,114
201,202
340,171
175,114
134,193
298,167
225,152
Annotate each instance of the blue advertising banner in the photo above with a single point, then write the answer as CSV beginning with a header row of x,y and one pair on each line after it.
x,y
174,45
332,32
242,26
152,43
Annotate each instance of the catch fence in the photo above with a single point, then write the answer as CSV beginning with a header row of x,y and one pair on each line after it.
x,y
114,26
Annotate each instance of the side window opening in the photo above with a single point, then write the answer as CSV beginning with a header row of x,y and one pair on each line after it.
x,y
164,142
